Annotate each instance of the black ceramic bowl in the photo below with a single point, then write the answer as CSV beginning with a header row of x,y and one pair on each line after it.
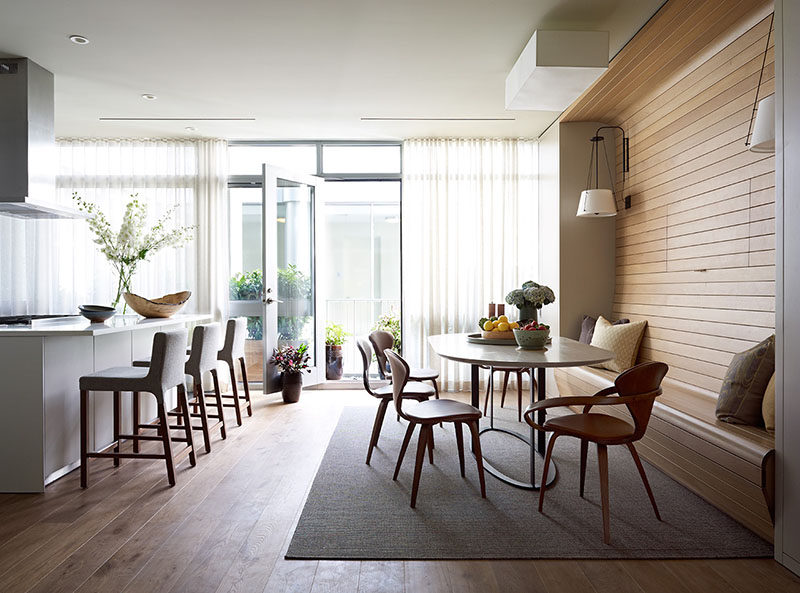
x,y
97,313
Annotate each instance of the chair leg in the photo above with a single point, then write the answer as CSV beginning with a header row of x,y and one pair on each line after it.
x,y
460,443
584,452
167,441
403,447
430,444
187,424
220,410
235,392
84,438
424,432
200,398
376,427
117,422
602,458
246,386
476,449
136,420
545,469
639,466
506,377
435,388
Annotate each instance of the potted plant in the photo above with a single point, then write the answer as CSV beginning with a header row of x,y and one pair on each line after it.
x,y
291,362
334,339
390,322
529,299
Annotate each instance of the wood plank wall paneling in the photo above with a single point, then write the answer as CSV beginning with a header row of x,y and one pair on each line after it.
x,y
695,254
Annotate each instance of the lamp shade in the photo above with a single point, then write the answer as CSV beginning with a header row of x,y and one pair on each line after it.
x,y
763,138
597,202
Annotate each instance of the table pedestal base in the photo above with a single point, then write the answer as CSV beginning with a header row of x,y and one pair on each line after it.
x,y
536,482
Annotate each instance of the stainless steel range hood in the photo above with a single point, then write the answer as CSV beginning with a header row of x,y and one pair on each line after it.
x,y
27,142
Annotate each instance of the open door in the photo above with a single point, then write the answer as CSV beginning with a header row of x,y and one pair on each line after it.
x,y
293,306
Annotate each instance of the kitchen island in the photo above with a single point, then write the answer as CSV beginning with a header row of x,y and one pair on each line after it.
x,y
40,366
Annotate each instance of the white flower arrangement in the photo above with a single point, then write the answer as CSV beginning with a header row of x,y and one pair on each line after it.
x,y
531,295
131,244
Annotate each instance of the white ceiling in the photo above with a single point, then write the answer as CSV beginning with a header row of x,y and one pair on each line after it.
x,y
305,69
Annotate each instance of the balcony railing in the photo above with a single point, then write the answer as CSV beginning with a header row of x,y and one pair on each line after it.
x,y
357,316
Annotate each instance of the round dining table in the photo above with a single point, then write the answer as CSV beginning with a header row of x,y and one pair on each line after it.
x,y
561,352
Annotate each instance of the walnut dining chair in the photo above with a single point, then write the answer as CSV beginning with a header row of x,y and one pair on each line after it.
x,y
636,388
426,414
381,340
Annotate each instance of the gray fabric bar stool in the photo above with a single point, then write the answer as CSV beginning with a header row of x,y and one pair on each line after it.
x,y
165,372
416,391
381,340
202,359
232,351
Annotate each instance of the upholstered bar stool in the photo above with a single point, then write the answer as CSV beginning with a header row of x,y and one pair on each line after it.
x,y
232,351
382,340
165,372
202,359
416,391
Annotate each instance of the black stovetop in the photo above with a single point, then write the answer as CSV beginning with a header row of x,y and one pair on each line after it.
x,y
27,319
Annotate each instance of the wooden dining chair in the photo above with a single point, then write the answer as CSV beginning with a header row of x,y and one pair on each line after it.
x,y
416,391
426,414
381,340
518,372
636,388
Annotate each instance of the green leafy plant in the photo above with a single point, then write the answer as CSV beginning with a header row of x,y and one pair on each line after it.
x,y
335,334
290,359
255,328
132,244
246,286
293,284
291,328
390,322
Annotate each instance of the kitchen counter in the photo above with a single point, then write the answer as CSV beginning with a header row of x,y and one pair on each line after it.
x,y
80,326
40,366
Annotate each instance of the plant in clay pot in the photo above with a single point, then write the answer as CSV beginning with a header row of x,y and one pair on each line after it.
x,y
334,339
291,362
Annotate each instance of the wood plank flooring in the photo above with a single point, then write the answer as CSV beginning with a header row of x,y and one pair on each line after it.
x,y
226,525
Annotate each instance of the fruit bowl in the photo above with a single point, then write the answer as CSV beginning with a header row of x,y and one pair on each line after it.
x,y
531,339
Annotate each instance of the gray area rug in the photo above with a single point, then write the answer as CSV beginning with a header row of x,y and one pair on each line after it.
x,y
356,512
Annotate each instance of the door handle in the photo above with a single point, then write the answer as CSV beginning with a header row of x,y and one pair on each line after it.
x,y
270,300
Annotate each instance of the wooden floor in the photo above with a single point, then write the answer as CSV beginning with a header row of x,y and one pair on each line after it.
x,y
227,523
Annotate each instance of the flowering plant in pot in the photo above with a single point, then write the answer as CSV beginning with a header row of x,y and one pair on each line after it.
x,y
334,339
292,362
530,298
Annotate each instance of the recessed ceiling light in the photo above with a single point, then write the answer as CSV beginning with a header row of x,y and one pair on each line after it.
x,y
79,39
190,129
149,97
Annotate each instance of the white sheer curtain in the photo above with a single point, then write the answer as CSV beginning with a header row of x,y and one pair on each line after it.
x,y
52,266
469,237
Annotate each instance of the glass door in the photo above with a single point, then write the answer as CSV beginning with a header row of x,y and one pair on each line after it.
x,y
291,297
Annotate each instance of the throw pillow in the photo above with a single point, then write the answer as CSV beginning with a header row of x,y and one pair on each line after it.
x,y
768,406
742,394
623,340
587,328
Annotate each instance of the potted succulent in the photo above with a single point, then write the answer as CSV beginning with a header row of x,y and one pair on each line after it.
x,y
529,299
334,339
291,362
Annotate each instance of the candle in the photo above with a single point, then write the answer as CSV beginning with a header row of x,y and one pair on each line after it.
x,y
501,309
491,310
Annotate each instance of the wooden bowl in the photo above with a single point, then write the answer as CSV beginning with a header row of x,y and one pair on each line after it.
x,y
497,335
165,306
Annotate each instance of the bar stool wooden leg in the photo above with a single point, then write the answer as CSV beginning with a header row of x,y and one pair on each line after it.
x,y
246,387
201,403
235,392
167,441
187,425
84,437
117,422
136,420
220,410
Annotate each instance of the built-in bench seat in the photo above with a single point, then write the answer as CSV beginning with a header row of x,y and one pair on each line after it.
x,y
731,466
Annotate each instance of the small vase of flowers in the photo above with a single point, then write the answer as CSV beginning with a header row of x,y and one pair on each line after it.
x,y
529,299
292,362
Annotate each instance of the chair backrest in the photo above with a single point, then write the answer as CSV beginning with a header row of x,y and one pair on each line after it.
x,y
400,372
235,335
366,359
642,382
381,340
205,342
167,360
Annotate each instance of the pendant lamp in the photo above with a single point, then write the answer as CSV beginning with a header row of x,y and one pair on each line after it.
x,y
597,201
763,132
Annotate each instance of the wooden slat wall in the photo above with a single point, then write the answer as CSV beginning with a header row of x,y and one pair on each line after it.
x,y
696,252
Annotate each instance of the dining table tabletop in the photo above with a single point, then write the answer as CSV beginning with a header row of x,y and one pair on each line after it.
x,y
559,352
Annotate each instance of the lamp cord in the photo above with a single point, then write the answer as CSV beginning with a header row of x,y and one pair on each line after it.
x,y
758,87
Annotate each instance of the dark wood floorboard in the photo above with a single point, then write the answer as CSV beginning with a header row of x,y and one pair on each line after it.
x,y
226,526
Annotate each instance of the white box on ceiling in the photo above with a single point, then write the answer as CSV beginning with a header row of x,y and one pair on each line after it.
x,y
555,68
